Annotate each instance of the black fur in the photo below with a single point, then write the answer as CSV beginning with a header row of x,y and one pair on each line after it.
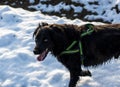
x,y
98,47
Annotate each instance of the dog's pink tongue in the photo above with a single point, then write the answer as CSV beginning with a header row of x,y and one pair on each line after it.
x,y
41,57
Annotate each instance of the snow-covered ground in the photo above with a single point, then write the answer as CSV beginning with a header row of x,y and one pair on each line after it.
x,y
107,10
18,65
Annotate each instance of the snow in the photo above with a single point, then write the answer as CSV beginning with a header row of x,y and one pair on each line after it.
x,y
31,1
19,66
104,8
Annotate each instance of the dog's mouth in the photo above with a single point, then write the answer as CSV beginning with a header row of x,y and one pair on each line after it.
x,y
42,56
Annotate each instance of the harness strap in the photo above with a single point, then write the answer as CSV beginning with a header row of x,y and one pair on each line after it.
x,y
80,47
88,31
81,53
69,51
80,50
73,43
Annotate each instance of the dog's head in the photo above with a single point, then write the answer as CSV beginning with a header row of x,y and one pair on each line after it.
x,y
43,41
52,37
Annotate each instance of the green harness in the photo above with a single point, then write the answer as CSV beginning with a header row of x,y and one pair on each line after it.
x,y
88,31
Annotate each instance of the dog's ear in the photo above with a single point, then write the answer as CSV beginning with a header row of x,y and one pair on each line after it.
x,y
39,27
44,24
36,30
57,33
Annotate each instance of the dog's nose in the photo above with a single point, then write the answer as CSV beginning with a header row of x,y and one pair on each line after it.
x,y
35,52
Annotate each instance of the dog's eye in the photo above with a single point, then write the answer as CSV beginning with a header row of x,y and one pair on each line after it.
x,y
45,40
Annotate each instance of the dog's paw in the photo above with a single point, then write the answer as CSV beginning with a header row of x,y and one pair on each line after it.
x,y
85,73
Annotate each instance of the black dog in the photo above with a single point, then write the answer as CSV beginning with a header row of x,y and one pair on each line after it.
x,y
88,45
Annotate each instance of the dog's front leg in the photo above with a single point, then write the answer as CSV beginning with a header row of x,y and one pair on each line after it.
x,y
73,79
74,76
